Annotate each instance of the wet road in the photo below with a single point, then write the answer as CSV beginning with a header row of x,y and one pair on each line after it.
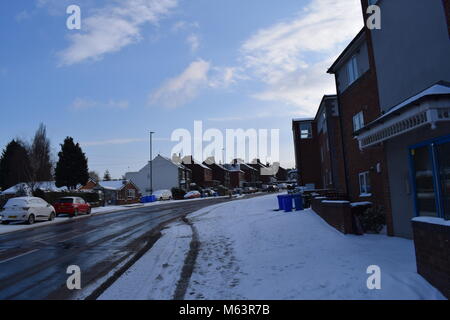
x,y
33,262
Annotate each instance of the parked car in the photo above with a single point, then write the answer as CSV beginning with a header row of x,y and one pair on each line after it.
x,y
72,206
208,193
29,209
273,188
163,195
282,186
192,195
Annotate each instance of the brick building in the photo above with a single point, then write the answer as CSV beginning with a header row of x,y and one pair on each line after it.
x,y
201,174
366,172
220,174
318,148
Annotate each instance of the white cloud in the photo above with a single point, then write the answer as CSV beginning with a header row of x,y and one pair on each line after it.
x,y
82,104
291,57
111,28
194,42
184,87
119,141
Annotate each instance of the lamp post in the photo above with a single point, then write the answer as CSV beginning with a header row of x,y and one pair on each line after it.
x,y
151,162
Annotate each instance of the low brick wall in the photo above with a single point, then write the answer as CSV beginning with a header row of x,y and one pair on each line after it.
x,y
336,214
432,244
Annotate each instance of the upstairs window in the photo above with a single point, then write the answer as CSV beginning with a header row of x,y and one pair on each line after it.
x,y
358,121
352,70
305,131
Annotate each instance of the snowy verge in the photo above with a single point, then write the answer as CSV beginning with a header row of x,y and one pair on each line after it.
x,y
155,275
249,251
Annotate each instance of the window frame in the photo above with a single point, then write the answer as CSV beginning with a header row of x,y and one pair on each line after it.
x,y
365,187
433,153
310,133
358,121
128,194
352,70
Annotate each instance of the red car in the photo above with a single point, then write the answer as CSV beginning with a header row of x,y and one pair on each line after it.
x,y
72,206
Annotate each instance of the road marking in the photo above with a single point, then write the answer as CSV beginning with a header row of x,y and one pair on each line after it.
x,y
20,255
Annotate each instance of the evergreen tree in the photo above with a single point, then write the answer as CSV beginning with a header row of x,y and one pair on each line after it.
x,y
107,176
72,167
14,165
40,156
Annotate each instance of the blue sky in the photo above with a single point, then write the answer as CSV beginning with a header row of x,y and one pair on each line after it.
x,y
158,65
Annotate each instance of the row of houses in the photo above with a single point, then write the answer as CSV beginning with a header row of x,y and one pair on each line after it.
x,y
164,173
384,137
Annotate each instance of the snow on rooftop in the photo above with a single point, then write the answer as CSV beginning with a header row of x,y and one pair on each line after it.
x,y
112,185
437,89
433,220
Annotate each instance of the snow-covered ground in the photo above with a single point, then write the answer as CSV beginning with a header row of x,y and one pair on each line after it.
x,y
17,226
249,251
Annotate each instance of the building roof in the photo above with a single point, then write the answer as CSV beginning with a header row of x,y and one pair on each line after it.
x,y
421,109
441,88
360,37
113,185
193,161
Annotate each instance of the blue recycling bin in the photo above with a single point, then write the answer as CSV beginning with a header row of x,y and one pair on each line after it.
x,y
287,203
280,202
298,199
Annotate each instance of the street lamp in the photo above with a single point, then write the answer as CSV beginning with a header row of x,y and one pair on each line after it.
x,y
151,163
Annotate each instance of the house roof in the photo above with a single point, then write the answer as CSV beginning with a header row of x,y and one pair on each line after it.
x,y
113,185
193,161
179,165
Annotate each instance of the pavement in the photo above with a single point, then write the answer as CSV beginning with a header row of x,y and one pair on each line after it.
x,y
33,262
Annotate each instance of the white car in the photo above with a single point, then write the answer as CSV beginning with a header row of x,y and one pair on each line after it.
x,y
193,195
163,195
27,209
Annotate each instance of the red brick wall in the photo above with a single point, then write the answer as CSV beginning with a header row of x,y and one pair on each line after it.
x,y
432,244
307,157
363,95
123,195
338,156
337,215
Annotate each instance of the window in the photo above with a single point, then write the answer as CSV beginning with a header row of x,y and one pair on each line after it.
x,y
352,70
305,131
358,121
131,193
430,168
364,184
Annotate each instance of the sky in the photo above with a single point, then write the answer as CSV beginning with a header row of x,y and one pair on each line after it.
x,y
159,65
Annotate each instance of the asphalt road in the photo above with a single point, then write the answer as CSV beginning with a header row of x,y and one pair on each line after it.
x,y
33,263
